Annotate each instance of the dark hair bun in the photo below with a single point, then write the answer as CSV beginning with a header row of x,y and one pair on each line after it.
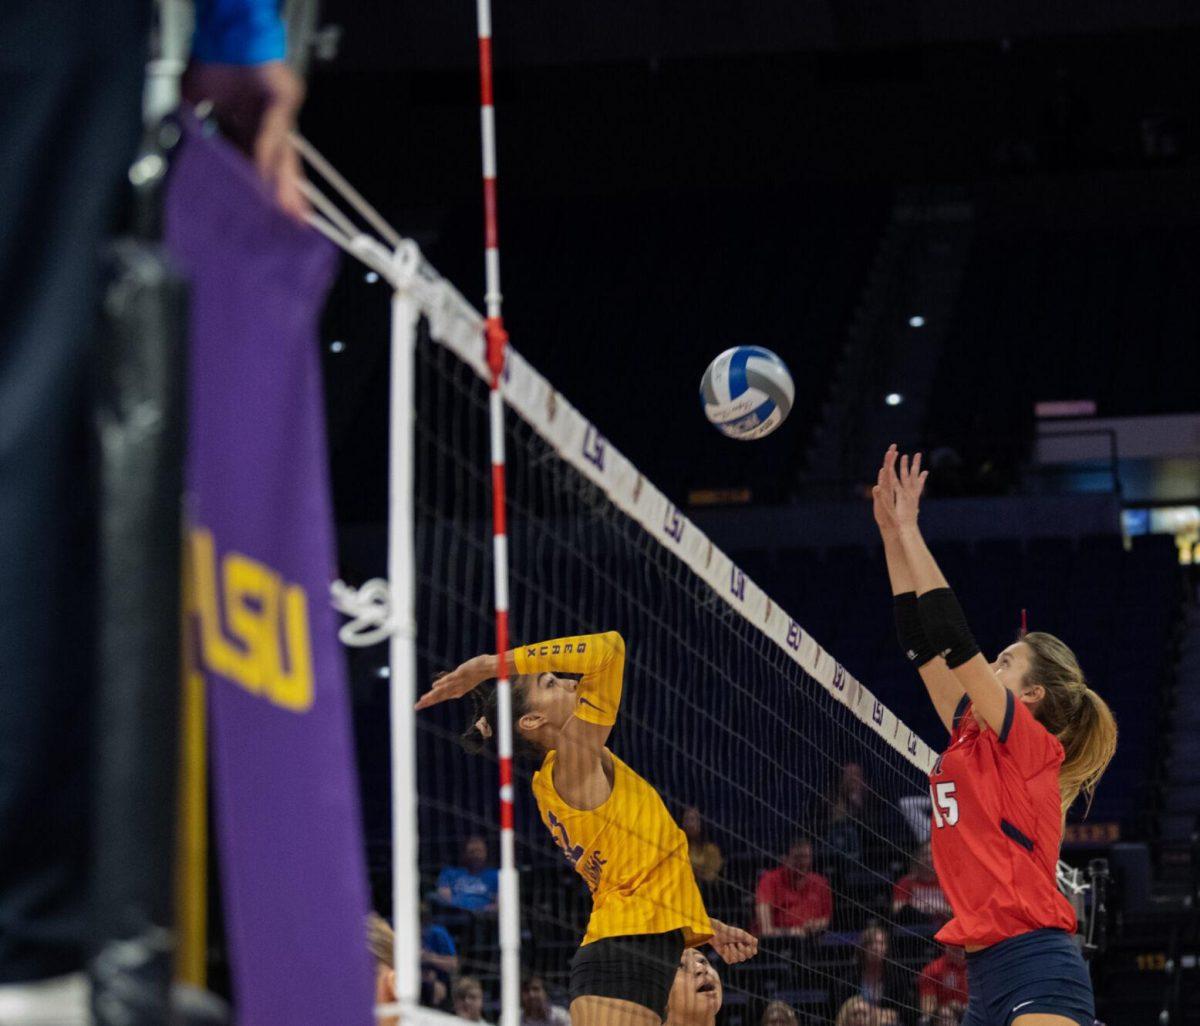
x,y
475,738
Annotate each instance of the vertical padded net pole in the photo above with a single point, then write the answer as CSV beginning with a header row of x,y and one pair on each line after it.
x,y
497,341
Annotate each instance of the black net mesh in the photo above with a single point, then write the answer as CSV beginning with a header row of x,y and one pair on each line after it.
x,y
804,826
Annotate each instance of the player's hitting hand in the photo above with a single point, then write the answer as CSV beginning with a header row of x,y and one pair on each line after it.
x,y
732,944
458,682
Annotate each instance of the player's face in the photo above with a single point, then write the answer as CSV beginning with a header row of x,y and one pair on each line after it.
x,y
696,994
1011,665
551,697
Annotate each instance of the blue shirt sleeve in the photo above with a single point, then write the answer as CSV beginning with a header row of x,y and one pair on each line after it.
x,y
448,877
238,32
491,877
437,940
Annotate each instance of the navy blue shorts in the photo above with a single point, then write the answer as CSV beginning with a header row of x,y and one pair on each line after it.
x,y
1041,971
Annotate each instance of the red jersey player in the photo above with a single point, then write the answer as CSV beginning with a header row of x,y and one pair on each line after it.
x,y
1027,737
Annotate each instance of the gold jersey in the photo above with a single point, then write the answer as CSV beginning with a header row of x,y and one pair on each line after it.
x,y
629,850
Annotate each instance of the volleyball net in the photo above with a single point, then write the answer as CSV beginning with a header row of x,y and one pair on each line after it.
x,y
805,798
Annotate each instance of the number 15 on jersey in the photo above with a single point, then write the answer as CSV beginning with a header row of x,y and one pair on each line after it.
x,y
945,804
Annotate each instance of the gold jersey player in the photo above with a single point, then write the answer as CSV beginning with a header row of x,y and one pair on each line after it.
x,y
609,822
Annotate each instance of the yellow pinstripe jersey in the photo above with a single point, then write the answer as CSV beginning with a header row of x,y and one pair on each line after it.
x,y
629,850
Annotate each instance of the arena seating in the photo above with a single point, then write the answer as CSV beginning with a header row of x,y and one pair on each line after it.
x,y
1105,314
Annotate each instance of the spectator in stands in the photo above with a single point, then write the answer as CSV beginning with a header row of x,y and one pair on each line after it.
x,y
943,984
381,942
696,994
843,837
778,1013
857,1011
706,858
792,900
439,958
877,981
851,795
720,896
536,1009
472,886
859,832
919,890
950,1015
468,999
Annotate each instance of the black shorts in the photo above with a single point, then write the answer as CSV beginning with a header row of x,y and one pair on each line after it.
x,y
1041,971
639,968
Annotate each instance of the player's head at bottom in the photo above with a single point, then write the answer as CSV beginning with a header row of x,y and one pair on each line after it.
x,y
696,994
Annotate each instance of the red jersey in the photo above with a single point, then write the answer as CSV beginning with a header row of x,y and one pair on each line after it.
x,y
997,828
795,900
945,979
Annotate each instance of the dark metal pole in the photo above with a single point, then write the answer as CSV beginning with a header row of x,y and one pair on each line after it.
x,y
139,423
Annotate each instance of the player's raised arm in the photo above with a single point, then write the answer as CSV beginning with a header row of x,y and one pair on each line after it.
x,y
599,659
943,687
552,708
941,616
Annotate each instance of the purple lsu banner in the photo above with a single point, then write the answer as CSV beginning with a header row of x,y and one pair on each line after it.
x,y
261,629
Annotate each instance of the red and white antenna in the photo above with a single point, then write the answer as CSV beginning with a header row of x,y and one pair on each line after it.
x,y
497,344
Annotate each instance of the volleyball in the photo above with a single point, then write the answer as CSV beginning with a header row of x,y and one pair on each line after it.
x,y
747,392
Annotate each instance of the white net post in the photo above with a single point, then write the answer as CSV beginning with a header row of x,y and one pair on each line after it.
x,y
402,651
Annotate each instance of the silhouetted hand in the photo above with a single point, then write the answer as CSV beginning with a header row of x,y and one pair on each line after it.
x,y
256,107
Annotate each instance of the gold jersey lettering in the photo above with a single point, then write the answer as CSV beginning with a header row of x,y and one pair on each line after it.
x,y
264,644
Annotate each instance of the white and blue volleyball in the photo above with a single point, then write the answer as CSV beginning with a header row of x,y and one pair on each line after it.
x,y
747,392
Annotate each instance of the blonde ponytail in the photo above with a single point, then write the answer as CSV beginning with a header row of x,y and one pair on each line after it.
x,y
1089,741
1075,714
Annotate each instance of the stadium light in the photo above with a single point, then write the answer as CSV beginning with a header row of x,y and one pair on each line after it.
x,y
916,321
893,399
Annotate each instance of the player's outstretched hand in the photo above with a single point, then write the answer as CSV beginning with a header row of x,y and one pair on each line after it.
x,y
909,485
883,494
732,944
459,681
